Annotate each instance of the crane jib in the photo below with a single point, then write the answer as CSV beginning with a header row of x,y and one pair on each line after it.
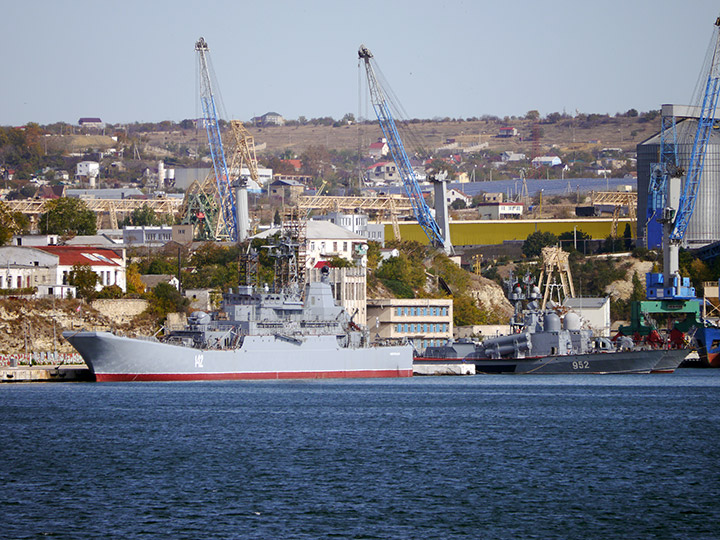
x,y
217,152
410,184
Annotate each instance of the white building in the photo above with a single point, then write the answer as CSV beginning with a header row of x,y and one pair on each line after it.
x,y
108,264
376,233
34,240
595,312
383,172
349,287
355,223
326,240
87,171
379,149
546,161
151,235
509,157
454,195
49,267
500,210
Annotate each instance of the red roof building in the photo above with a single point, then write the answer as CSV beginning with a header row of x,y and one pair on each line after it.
x,y
108,264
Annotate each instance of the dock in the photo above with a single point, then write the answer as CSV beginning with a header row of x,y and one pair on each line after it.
x,y
69,373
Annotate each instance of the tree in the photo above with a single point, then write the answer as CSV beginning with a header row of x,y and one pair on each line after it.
x,y
638,291
627,237
110,291
373,255
458,204
166,299
533,115
84,279
568,238
67,216
340,262
144,216
132,278
532,247
11,223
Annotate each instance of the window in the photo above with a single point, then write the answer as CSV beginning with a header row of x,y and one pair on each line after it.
x,y
399,311
344,246
407,310
398,328
335,246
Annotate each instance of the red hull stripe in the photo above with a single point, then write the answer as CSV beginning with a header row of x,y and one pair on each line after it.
x,y
107,377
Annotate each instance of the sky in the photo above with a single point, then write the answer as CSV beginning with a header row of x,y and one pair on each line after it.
x,y
135,61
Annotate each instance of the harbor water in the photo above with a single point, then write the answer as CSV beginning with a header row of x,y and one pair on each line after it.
x,y
630,456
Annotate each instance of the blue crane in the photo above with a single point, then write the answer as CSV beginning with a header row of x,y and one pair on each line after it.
x,y
673,216
412,189
697,156
217,153
667,166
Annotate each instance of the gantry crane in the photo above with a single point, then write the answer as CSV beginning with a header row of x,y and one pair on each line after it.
x,y
420,208
244,154
664,186
671,207
217,152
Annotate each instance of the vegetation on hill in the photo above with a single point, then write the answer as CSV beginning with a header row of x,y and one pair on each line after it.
x,y
420,271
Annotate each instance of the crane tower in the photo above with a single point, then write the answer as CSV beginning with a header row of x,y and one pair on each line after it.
x,y
438,236
217,152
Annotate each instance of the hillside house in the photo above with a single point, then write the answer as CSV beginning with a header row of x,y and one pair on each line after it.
x,y
510,157
546,161
150,281
507,132
269,119
91,123
287,190
382,172
379,149
455,195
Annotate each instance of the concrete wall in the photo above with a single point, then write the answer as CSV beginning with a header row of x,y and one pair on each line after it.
x,y
121,311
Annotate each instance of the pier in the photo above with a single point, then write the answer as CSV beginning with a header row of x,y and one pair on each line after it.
x,y
70,373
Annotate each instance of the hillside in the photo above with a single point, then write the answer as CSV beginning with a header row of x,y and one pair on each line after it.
x,y
583,133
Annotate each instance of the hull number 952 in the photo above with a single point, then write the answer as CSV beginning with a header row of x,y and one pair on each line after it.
x,y
581,364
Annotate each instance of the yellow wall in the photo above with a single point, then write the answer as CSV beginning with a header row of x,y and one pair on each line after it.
x,y
496,231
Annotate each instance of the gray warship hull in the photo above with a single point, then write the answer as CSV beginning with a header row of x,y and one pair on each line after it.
x,y
115,358
649,361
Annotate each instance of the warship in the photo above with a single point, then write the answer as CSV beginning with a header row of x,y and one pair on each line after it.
x,y
552,341
257,334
